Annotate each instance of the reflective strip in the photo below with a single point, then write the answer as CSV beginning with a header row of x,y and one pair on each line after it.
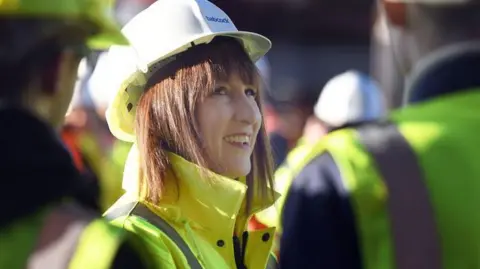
x,y
57,242
71,237
97,247
140,210
416,241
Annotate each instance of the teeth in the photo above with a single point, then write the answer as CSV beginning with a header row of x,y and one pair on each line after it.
x,y
245,139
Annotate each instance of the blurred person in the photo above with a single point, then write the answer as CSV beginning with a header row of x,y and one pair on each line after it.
x,y
73,136
403,192
188,98
84,150
346,100
43,223
105,153
279,144
282,119
115,151
86,135
98,155
285,121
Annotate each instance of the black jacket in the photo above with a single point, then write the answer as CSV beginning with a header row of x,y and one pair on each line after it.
x,y
36,170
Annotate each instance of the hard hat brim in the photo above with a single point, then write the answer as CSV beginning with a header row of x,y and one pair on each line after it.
x,y
110,34
96,12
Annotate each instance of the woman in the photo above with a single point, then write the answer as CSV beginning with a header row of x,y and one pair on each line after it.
x,y
200,165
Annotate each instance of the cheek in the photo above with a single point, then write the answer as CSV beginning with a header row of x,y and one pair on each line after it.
x,y
212,119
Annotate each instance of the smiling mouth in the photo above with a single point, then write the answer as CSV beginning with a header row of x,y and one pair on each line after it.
x,y
238,140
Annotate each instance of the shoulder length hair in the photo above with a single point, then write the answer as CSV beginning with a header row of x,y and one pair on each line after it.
x,y
166,122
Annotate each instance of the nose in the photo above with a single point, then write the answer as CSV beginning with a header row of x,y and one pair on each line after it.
x,y
247,110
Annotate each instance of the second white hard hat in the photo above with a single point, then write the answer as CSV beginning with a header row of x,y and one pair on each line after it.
x,y
166,28
348,98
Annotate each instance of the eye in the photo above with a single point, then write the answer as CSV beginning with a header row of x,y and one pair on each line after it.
x,y
251,92
220,91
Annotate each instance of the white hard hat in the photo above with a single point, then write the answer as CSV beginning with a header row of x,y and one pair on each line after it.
x,y
349,97
166,28
100,95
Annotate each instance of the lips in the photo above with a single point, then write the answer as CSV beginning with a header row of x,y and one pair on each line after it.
x,y
242,139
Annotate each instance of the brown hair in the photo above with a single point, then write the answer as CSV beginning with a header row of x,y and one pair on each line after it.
x,y
165,119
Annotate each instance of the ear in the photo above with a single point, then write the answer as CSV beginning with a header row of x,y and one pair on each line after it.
x,y
395,12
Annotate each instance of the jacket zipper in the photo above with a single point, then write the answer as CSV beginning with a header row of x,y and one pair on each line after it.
x,y
239,250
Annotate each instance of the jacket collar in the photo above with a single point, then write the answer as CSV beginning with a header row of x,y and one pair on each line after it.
x,y
447,70
207,200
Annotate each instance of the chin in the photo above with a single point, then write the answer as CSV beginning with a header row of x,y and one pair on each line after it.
x,y
238,171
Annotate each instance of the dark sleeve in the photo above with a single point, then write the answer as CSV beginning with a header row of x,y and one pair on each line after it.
x,y
279,147
318,221
128,258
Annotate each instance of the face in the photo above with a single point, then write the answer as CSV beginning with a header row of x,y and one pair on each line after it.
x,y
229,120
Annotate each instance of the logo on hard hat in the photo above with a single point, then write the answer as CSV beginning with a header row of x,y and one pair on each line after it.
x,y
214,19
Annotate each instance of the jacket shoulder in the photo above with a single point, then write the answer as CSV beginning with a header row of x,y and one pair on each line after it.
x,y
143,234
